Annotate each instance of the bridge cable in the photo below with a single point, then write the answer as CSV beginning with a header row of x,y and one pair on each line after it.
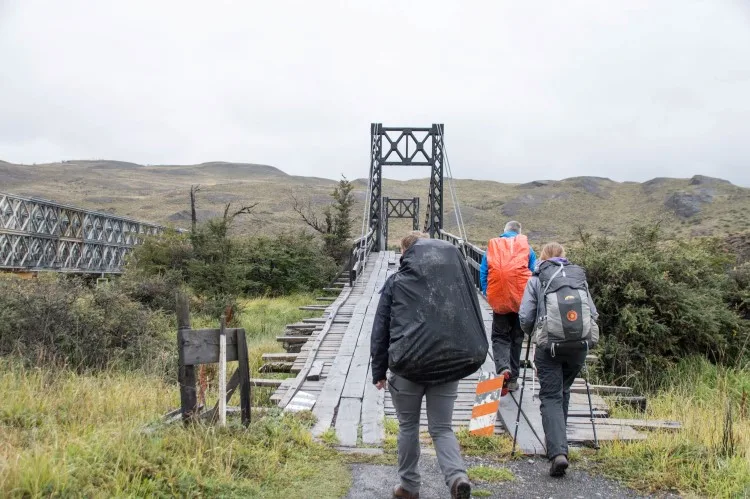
x,y
454,196
368,198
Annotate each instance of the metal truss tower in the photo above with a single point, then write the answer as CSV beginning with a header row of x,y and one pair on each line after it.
x,y
406,146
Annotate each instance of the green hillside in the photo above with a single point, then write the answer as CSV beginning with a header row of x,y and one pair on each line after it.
x,y
548,209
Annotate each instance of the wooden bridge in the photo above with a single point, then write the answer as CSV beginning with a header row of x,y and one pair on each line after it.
x,y
333,377
331,355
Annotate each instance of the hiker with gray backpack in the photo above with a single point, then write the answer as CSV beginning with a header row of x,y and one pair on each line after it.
x,y
557,309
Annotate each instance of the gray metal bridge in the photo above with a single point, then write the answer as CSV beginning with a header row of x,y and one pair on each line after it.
x,y
37,234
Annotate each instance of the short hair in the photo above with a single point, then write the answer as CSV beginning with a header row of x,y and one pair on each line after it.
x,y
409,239
552,250
513,226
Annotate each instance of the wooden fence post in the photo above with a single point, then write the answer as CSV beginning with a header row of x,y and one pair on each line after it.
x,y
186,373
244,370
223,371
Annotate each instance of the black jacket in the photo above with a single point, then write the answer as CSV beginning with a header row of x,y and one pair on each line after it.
x,y
428,326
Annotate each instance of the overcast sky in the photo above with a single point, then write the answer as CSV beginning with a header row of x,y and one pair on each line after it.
x,y
623,89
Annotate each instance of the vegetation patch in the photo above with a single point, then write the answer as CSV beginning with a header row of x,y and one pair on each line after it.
x,y
69,434
496,446
490,474
709,456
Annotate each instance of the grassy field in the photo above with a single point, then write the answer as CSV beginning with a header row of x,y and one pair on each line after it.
x,y
599,206
694,460
98,434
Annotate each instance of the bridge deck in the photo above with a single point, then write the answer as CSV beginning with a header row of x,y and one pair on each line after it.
x,y
343,397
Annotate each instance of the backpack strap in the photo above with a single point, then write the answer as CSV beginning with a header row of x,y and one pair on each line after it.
x,y
552,278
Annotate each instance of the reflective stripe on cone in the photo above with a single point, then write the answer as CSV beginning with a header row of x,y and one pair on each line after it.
x,y
486,404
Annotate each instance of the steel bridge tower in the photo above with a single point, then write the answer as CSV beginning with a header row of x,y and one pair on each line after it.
x,y
405,146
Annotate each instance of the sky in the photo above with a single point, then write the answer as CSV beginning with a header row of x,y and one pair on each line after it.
x,y
628,89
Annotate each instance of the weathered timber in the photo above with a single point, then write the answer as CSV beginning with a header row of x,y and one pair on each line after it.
x,y
315,371
658,424
201,346
601,389
244,370
276,367
265,382
186,373
279,357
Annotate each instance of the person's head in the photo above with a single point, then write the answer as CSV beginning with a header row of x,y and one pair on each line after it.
x,y
552,250
409,239
513,226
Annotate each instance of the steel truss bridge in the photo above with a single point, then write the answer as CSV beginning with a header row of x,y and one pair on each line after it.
x,y
37,234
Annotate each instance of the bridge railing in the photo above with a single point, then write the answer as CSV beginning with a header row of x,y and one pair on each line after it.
x,y
358,253
37,234
473,254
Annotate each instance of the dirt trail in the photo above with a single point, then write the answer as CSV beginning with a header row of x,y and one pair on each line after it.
x,y
532,481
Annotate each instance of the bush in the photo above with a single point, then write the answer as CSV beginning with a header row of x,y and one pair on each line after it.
x,y
283,264
660,302
59,319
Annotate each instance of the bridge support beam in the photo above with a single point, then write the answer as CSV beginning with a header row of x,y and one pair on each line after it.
x,y
405,146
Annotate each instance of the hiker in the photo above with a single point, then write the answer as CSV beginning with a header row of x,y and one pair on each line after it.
x,y
505,269
557,308
428,331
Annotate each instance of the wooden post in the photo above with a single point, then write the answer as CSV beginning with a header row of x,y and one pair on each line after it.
x,y
223,372
244,370
186,373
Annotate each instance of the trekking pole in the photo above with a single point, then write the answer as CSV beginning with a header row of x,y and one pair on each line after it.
x,y
588,392
520,399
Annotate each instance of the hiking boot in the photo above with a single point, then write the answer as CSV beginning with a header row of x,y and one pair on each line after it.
x,y
559,465
513,385
401,493
505,374
461,489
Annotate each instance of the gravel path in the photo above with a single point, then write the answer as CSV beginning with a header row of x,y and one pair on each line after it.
x,y
532,481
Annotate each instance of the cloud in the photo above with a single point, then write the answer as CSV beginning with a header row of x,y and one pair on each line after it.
x,y
527,90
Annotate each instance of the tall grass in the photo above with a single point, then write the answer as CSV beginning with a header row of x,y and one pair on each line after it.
x,y
93,434
85,435
694,460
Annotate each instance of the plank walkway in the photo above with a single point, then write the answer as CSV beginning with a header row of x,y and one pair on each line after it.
x,y
334,379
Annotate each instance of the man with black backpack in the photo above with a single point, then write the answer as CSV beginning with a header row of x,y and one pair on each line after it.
x,y
428,331
558,310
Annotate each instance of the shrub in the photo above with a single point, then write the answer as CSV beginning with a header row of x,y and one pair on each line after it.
x,y
660,302
59,319
283,264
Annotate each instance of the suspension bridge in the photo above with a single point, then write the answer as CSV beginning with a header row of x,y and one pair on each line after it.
x,y
330,355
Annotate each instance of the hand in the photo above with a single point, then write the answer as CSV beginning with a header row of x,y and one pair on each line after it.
x,y
380,384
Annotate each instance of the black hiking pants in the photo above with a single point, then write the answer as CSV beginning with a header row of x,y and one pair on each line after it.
x,y
556,376
507,340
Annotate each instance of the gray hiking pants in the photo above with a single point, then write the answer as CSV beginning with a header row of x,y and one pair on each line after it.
x,y
556,376
407,399
507,341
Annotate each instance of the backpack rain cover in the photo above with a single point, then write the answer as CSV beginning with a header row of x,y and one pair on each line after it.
x,y
437,333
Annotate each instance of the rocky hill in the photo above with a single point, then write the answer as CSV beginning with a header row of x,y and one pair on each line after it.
x,y
549,209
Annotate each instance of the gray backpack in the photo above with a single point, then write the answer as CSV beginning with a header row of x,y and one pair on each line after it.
x,y
568,321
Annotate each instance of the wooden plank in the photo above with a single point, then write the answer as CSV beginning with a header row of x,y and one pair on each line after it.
x,y
315,371
266,382
602,389
584,434
223,371
280,357
186,371
659,424
313,350
276,367
373,411
347,421
244,370
330,395
201,346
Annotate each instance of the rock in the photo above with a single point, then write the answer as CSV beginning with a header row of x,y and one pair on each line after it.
x,y
711,181
598,186
515,205
688,204
536,183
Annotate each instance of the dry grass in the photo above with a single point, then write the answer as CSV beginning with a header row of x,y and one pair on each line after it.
x,y
694,460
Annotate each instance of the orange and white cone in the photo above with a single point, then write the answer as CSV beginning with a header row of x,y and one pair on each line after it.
x,y
486,403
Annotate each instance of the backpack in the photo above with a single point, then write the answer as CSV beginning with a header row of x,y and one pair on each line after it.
x,y
568,321
507,272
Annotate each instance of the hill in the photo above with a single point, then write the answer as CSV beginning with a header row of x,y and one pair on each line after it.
x,y
549,209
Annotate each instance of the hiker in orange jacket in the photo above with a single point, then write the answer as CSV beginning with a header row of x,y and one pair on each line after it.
x,y
505,269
